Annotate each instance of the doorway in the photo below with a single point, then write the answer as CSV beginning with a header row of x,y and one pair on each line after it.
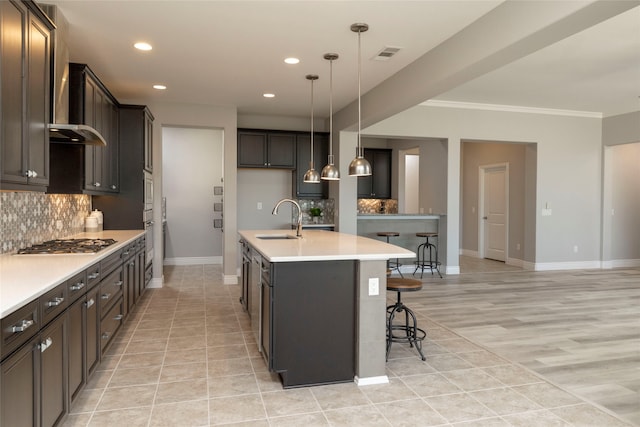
x,y
493,228
409,181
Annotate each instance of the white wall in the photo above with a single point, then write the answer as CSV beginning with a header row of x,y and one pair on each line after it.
x,y
568,172
264,186
191,167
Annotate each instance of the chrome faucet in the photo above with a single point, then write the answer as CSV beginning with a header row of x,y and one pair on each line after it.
x,y
299,225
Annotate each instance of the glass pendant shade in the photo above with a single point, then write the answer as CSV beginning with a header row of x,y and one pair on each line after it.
x,y
359,166
311,176
330,172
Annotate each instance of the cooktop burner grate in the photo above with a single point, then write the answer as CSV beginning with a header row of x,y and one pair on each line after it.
x,y
68,246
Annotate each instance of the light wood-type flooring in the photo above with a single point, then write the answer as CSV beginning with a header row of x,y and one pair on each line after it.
x,y
503,348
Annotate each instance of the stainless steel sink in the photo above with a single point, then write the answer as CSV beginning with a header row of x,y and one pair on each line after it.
x,y
275,236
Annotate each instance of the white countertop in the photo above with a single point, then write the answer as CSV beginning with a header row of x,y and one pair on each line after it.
x,y
319,245
24,278
400,216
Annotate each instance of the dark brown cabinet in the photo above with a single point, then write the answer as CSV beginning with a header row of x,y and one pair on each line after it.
x,y
125,211
266,149
301,189
25,37
378,185
86,168
53,372
20,384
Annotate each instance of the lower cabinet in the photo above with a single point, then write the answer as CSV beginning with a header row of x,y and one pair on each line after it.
x,y
34,379
308,325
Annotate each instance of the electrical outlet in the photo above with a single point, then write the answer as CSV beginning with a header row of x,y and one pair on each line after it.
x,y
374,286
259,206
517,246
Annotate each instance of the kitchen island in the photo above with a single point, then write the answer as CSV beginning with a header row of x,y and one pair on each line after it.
x,y
317,304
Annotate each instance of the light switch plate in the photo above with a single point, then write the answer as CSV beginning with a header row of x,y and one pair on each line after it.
x,y
374,286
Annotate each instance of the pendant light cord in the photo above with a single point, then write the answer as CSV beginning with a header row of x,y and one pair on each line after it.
x,y
331,110
359,100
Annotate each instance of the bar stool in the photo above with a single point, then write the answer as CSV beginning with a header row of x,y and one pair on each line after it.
x,y
421,262
409,331
390,264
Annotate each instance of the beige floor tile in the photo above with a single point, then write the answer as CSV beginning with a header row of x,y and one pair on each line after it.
x,y
99,379
233,385
472,379
504,401
127,397
87,401
176,357
459,407
146,346
140,360
414,412
236,409
290,402
137,376
542,418
181,391
183,371
307,420
77,420
183,414
548,395
337,396
447,362
367,415
430,385
218,368
185,343
134,417
409,366
512,374
227,352
394,390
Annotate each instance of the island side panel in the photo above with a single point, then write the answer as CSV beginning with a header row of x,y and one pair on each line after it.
x,y
371,324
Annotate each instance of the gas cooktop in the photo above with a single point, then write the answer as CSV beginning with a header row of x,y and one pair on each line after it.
x,y
67,246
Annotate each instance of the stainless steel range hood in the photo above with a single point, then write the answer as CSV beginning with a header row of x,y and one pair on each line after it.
x,y
75,134
60,131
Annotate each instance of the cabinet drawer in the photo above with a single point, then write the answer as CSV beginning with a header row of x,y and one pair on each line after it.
x,y
53,303
93,275
76,286
19,326
129,251
111,324
109,263
110,290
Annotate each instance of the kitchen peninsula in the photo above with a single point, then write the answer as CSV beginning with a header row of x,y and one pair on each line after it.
x,y
407,225
318,303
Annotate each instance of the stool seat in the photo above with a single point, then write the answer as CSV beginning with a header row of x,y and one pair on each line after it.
x,y
407,331
426,234
388,233
397,284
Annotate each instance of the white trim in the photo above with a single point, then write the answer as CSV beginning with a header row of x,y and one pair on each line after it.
x,y
482,172
469,253
230,279
511,108
193,260
452,269
516,262
156,283
621,263
383,379
571,265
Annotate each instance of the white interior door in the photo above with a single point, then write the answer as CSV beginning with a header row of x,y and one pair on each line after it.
x,y
494,193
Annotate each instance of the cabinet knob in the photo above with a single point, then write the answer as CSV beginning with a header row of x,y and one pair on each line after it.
x,y
45,344
113,187
34,174
97,184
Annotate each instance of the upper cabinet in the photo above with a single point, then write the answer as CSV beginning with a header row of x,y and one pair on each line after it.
x,y
25,37
266,149
86,168
301,189
378,185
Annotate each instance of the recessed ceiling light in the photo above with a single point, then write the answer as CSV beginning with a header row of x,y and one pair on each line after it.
x,y
269,95
142,46
159,87
292,61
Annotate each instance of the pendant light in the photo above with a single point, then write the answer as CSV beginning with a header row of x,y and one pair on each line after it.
x,y
312,176
359,166
330,172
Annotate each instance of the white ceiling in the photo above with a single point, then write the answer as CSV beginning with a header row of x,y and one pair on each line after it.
x,y
230,52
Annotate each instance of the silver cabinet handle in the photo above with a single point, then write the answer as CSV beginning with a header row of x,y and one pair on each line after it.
x,y
97,184
118,317
45,344
113,186
89,303
118,283
106,335
55,302
94,275
105,296
77,286
23,326
132,264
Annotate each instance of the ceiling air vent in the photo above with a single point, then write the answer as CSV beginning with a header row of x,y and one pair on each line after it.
x,y
386,53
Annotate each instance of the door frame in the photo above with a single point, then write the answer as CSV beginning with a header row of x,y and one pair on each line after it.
x,y
482,170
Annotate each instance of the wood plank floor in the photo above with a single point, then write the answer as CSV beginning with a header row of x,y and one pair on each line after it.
x,y
579,329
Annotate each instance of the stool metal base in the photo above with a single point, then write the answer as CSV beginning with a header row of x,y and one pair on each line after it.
x,y
410,332
422,263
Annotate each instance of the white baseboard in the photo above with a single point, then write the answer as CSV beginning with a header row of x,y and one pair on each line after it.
x,y
573,265
383,379
156,283
453,269
469,253
193,260
230,279
621,263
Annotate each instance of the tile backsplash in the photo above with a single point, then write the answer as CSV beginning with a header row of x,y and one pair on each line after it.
x,y
27,218
371,206
327,208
